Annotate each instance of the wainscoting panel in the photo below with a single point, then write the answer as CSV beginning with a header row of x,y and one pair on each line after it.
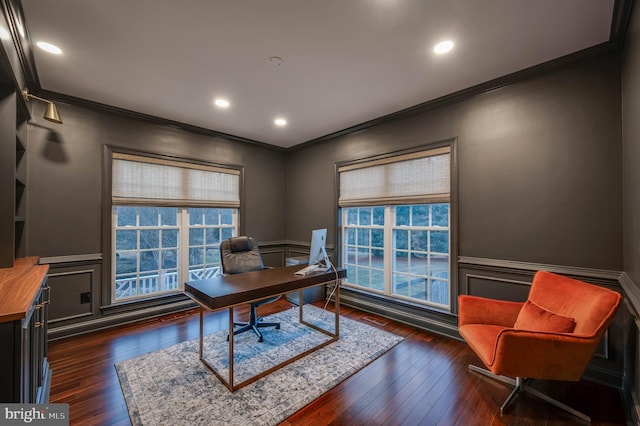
x,y
508,280
71,294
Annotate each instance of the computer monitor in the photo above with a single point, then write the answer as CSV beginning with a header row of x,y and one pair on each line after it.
x,y
318,252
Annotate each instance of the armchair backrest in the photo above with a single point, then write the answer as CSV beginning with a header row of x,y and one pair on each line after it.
x,y
592,307
240,254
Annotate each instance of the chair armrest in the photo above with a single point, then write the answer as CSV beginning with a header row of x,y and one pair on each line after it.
x,y
480,310
540,355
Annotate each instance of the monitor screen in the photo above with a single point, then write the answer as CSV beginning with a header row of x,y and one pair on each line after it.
x,y
318,252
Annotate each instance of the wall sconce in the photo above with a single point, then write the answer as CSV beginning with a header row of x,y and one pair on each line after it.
x,y
51,113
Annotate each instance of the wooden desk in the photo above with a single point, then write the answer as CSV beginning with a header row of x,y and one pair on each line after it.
x,y
228,291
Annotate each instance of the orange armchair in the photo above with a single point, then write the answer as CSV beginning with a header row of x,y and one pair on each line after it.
x,y
553,335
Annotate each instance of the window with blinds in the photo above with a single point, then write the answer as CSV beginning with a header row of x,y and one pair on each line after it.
x,y
395,226
151,181
168,219
417,177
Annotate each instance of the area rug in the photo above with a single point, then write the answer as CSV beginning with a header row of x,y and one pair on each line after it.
x,y
172,387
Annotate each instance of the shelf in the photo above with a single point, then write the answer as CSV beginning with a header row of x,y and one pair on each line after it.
x,y
19,219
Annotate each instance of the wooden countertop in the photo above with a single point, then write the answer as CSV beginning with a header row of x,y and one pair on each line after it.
x,y
19,287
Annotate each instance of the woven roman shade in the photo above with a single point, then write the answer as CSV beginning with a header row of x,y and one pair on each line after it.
x,y
152,181
411,178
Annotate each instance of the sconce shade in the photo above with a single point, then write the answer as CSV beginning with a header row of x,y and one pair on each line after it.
x,y
51,113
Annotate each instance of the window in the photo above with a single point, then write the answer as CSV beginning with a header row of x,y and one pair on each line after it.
x,y
168,219
395,225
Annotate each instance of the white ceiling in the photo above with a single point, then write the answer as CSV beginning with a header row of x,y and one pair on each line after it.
x,y
344,61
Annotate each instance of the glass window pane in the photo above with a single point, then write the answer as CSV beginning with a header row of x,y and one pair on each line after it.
x,y
364,216
378,216
227,233
148,216
420,215
212,236
168,216
195,216
169,259
351,235
148,284
211,217
377,258
400,284
363,256
419,240
196,236
439,266
440,241
226,216
377,279
363,236
352,216
126,262
418,288
126,240
196,256
401,262
149,260
149,238
363,277
439,292
440,215
402,216
212,256
401,239
126,286
169,238
419,264
377,238
126,216
351,255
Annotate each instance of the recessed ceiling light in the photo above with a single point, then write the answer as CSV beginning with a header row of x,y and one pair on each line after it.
x,y
48,47
222,103
443,47
280,122
4,34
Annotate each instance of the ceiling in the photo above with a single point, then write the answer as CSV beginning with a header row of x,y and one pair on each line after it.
x,y
342,62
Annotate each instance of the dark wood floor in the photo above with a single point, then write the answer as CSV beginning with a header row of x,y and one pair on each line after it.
x,y
424,380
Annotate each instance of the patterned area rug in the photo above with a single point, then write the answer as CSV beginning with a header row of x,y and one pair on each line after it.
x,y
172,387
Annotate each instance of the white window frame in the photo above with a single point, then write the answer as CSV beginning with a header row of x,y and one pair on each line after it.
x,y
147,180
388,250
184,271
409,177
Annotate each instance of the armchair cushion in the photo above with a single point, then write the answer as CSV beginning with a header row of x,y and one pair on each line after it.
x,y
534,318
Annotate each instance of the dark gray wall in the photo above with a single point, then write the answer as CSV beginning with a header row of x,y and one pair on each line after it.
x,y
65,176
539,167
631,147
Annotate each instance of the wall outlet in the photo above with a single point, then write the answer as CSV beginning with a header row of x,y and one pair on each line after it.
x,y
85,297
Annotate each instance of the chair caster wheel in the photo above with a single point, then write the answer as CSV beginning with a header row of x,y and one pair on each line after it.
x,y
278,327
260,339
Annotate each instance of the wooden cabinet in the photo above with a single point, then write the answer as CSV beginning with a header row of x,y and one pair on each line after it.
x,y
24,306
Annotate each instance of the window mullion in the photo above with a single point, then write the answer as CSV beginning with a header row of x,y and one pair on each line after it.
x,y
389,220
183,244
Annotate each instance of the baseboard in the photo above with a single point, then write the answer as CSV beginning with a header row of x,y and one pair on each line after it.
x,y
111,321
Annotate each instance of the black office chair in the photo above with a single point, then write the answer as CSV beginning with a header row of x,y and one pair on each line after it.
x,y
241,254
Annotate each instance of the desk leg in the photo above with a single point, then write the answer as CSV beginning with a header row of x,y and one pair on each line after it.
x,y
231,350
336,308
201,332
